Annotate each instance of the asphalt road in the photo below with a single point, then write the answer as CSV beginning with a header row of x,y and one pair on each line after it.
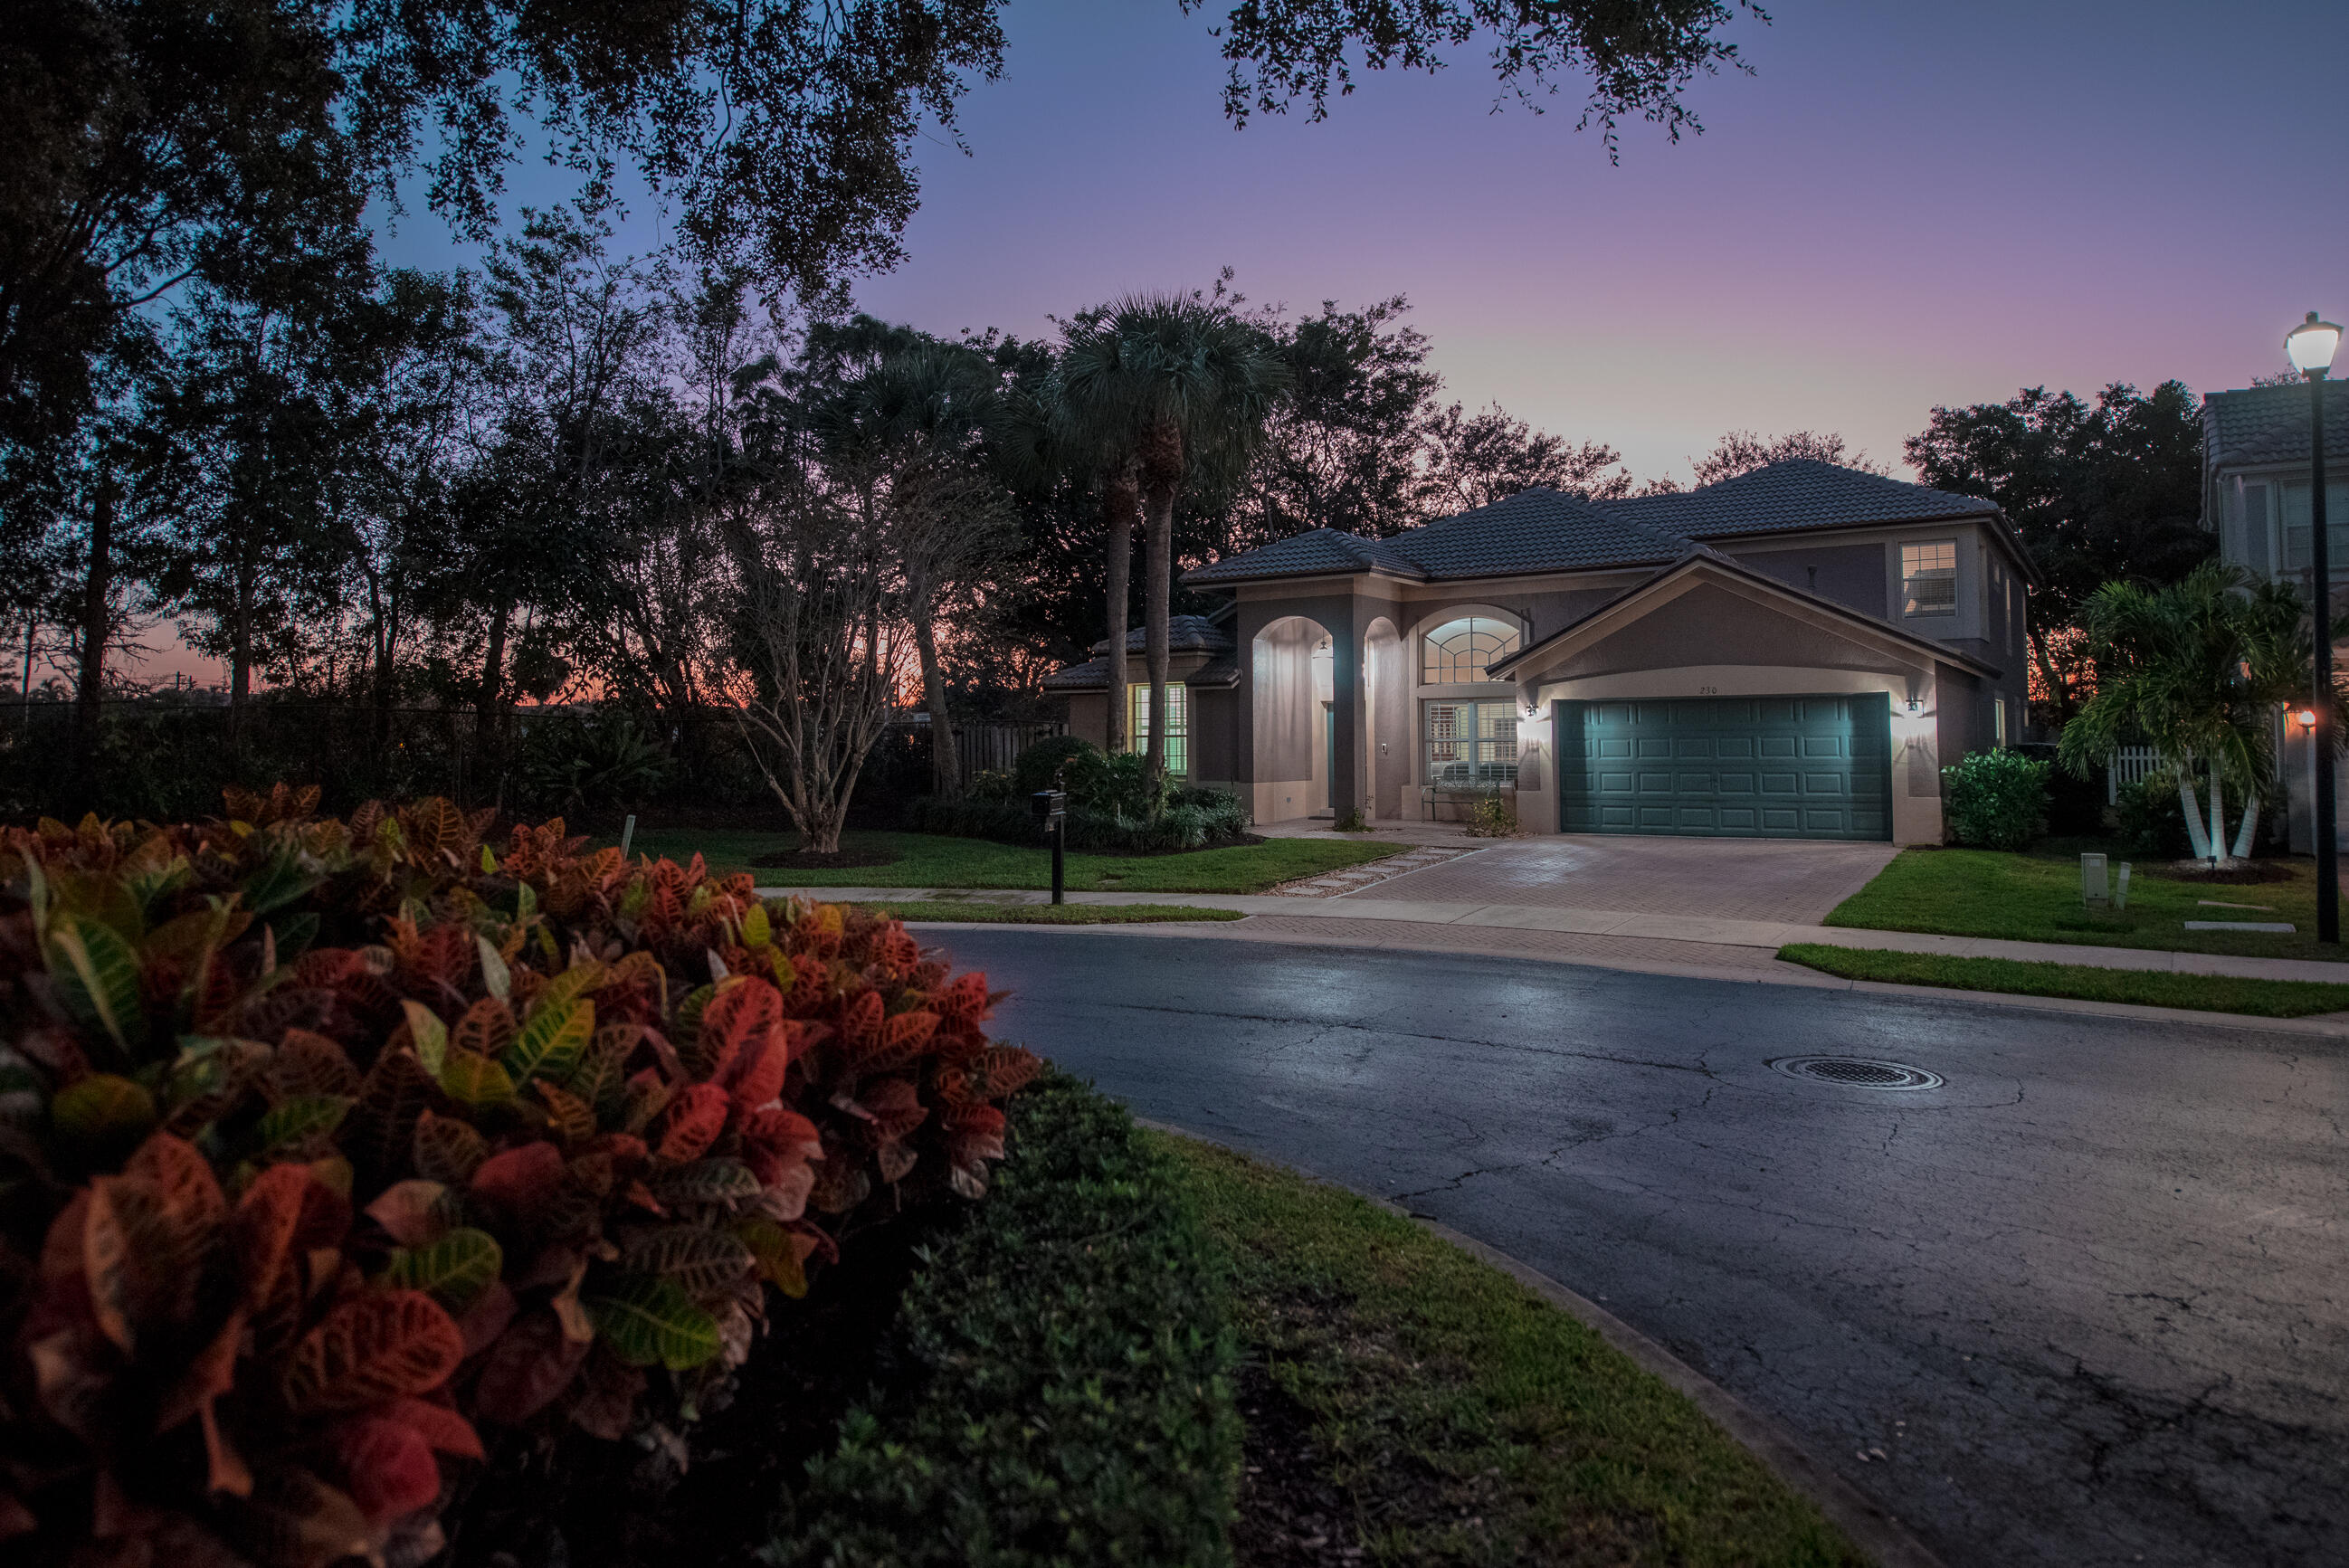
x,y
2090,1299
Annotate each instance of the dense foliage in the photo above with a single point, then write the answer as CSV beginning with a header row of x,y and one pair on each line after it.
x,y
1190,820
1057,1390
335,1151
1995,800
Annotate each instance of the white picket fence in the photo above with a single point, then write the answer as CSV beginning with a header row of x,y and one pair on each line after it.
x,y
2129,765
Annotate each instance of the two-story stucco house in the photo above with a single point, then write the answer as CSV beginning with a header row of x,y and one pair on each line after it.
x,y
2256,496
1792,652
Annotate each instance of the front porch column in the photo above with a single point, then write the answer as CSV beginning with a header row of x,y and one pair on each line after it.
x,y
1348,789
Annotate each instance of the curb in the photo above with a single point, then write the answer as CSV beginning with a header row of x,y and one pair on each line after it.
x,y
2319,1028
1877,1532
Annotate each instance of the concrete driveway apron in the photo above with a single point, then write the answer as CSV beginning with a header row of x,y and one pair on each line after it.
x,y
1722,879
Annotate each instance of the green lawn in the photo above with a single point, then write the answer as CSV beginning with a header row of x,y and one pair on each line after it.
x,y
2145,988
928,859
2036,898
1456,1417
1049,914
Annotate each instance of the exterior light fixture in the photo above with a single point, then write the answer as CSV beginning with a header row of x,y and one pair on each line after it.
x,y
2307,717
2311,346
1915,704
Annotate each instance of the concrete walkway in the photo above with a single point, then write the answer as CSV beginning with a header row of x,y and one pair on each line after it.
x,y
1622,926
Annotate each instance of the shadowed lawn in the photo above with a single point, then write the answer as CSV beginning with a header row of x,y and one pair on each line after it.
x,y
928,859
1445,1414
2142,987
2036,898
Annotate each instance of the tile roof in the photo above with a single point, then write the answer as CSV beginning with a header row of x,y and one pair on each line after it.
x,y
1797,493
1543,530
2270,425
1222,670
1184,635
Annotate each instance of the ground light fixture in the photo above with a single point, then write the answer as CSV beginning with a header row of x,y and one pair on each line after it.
x,y
2311,346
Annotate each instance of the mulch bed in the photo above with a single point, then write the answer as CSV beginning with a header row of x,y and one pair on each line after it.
x,y
1291,1514
837,861
2243,875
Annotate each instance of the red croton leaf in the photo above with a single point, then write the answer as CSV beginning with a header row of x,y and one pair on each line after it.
x,y
386,1466
370,1348
520,1181
743,1013
447,1432
530,1363
691,1125
763,1067
285,1214
860,1023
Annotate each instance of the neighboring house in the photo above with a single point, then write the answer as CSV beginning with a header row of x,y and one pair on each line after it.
x,y
1792,652
2256,496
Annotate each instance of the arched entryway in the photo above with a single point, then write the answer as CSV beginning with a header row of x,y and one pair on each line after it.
x,y
1291,662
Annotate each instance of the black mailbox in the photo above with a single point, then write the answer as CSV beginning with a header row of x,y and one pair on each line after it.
x,y
1049,805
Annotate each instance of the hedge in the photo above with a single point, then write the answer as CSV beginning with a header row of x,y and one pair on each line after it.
x,y
1194,820
1057,1389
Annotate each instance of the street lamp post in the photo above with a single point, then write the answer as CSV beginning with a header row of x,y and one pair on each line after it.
x,y
2311,346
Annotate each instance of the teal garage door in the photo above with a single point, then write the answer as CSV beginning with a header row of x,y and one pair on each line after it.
x,y
1745,767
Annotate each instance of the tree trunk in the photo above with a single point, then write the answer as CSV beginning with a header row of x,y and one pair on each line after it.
x,y
2217,816
820,825
1157,590
946,767
240,654
2247,831
494,672
2197,839
1120,500
96,586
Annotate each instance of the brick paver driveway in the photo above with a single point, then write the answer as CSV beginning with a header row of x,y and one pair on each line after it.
x,y
1726,879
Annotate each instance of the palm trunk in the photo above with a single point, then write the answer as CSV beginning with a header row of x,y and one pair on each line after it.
x,y
2197,838
1119,503
1157,591
2218,815
96,586
2247,831
493,680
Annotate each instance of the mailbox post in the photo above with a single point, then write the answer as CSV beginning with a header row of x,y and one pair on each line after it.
x,y
1051,812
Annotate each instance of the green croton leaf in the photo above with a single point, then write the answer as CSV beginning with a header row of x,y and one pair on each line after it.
x,y
300,1118
549,1045
649,1320
98,972
430,1035
453,1270
475,1081
102,1110
708,1182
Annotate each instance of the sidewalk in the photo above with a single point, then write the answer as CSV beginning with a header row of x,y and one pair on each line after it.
x,y
1480,926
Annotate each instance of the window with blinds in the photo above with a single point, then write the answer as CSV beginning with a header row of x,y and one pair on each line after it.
x,y
1928,578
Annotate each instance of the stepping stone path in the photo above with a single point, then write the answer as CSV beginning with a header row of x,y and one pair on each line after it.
x,y
1353,878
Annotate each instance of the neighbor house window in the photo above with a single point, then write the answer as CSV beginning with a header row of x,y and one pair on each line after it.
x,y
2294,496
1471,745
1178,724
1928,578
1459,650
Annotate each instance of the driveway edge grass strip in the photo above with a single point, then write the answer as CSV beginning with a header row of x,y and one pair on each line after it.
x,y
974,912
2081,982
1463,1418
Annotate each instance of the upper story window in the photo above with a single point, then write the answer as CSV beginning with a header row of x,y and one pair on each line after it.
x,y
1459,650
1928,578
2295,496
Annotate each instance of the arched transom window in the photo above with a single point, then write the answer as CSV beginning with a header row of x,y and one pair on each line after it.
x,y
1460,650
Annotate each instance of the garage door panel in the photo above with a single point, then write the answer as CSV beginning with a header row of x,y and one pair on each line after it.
x,y
1832,777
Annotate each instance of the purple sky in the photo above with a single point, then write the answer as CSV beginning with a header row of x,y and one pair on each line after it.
x,y
1906,204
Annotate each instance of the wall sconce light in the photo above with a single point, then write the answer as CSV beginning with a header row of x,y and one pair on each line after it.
x,y
1915,704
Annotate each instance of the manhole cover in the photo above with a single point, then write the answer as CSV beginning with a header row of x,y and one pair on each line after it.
x,y
1858,1072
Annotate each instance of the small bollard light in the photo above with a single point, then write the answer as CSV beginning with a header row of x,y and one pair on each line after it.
x,y
2120,889
1050,809
2093,885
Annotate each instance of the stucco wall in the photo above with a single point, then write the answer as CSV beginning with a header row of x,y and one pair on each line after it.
x,y
1852,575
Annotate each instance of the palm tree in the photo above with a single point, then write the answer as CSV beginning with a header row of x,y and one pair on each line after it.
x,y
2197,668
1068,431
1190,385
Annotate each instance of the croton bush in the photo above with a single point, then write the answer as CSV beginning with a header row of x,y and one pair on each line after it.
x,y
335,1154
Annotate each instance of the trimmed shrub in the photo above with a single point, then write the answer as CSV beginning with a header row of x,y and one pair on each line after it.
x,y
1995,800
1205,816
1057,1389
2149,819
1490,817
1033,769
338,1142
992,785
